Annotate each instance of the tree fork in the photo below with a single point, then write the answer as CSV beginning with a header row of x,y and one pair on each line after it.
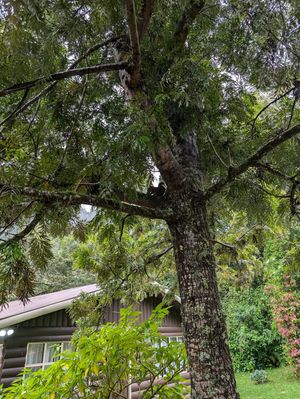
x,y
203,322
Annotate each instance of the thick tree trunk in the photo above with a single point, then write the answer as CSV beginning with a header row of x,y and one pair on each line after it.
x,y
203,322
204,326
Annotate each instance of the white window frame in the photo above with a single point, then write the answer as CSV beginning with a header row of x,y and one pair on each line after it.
x,y
42,365
174,338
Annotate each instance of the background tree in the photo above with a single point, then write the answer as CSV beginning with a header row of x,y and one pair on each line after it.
x,y
186,103
60,273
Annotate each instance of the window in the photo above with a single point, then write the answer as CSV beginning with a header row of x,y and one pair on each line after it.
x,y
43,354
177,338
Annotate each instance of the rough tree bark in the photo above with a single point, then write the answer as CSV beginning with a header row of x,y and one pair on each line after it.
x,y
204,326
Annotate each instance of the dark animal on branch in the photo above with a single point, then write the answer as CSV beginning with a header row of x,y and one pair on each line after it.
x,y
296,90
158,191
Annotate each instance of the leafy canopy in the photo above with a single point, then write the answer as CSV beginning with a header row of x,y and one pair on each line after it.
x,y
71,135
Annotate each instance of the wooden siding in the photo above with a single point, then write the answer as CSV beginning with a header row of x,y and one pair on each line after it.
x,y
57,326
138,390
52,327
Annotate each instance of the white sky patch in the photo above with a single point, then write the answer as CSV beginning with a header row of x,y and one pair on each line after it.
x,y
86,207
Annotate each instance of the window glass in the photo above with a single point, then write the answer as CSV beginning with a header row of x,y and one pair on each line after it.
x,y
52,351
35,368
177,338
66,346
43,354
35,353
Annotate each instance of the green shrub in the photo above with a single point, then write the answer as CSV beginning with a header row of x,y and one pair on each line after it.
x,y
105,362
259,377
253,339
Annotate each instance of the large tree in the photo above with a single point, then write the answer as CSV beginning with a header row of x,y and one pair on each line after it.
x,y
98,97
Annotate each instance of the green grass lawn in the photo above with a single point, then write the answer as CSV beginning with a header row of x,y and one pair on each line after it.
x,y
281,385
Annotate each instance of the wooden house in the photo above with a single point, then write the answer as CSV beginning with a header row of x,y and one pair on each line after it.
x,y
28,332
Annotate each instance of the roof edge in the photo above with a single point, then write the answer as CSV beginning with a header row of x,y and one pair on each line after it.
x,y
31,314
13,320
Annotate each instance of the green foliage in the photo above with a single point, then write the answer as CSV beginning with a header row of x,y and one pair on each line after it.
x,y
16,273
128,256
282,255
105,362
40,251
253,339
60,273
238,250
83,136
259,377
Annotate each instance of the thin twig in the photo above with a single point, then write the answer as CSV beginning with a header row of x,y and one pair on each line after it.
x,y
225,244
267,106
36,98
16,218
252,161
292,113
269,168
158,256
28,229
270,192
122,226
14,112
71,133
215,151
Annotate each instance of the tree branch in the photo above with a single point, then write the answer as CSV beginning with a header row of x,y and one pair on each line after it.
x,y
272,194
63,75
94,48
36,98
12,222
215,151
225,245
155,257
22,107
134,43
122,226
269,168
15,111
140,199
68,198
235,172
28,229
293,200
268,105
145,17
189,15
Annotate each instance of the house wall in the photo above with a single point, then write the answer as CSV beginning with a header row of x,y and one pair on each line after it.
x,y
58,326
